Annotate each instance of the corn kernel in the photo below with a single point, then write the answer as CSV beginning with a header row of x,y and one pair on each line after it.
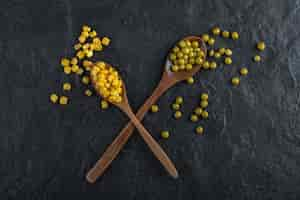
x,y
86,46
67,70
104,104
98,47
85,34
75,68
77,46
88,92
80,54
74,61
80,71
93,34
65,62
89,53
81,39
85,80
67,86
105,41
63,100
96,40
86,28
53,98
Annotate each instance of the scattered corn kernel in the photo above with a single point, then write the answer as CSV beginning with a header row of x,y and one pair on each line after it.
x,y
53,98
178,114
165,134
93,34
67,69
225,34
205,37
261,46
63,100
77,46
86,28
227,60
234,35
204,104
85,80
206,65
199,130
194,118
244,71
105,41
204,114
79,71
74,61
67,86
216,31
65,62
257,58
235,81
190,80
89,53
104,104
154,108
88,92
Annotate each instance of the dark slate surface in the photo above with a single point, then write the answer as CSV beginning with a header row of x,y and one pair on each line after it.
x,y
251,149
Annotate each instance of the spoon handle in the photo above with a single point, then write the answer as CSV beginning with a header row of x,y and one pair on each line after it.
x,y
152,144
115,147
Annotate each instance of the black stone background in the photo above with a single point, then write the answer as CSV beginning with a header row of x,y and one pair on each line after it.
x,y
251,146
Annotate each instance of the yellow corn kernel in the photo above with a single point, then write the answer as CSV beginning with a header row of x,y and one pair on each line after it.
x,y
75,68
104,104
88,92
98,47
85,80
53,98
80,71
63,100
86,46
65,62
87,63
67,86
67,70
85,34
82,39
86,28
80,55
105,41
96,40
93,34
89,53
74,61
77,46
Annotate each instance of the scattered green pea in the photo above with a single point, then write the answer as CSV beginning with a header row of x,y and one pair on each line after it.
x,y
235,81
190,80
200,130
225,34
178,114
217,55
198,111
165,134
257,58
261,46
227,60
222,50
228,52
204,104
205,37
211,52
204,96
175,106
194,118
213,65
235,35
211,41
244,71
216,31
204,114
206,65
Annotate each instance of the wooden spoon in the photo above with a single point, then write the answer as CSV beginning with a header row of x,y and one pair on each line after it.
x,y
168,79
152,144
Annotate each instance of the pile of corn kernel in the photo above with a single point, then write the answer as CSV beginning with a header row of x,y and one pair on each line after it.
x,y
107,82
88,43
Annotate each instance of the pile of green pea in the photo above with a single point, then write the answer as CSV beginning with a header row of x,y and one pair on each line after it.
x,y
186,54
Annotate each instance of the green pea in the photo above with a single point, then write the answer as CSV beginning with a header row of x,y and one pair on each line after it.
x,y
172,56
179,55
181,61
195,44
194,118
182,44
198,111
179,100
175,49
175,106
185,50
177,114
